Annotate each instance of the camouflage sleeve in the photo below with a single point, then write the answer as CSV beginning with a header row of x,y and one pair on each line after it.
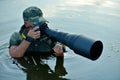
x,y
15,39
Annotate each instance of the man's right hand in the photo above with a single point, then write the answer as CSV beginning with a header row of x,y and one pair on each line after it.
x,y
34,33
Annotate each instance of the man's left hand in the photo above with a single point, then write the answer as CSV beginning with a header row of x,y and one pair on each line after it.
x,y
58,49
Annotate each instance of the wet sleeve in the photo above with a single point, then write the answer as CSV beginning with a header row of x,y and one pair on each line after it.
x,y
54,42
15,39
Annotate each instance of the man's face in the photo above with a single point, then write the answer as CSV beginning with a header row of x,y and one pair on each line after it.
x,y
28,24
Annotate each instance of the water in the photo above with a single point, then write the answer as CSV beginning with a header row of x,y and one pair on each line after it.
x,y
99,19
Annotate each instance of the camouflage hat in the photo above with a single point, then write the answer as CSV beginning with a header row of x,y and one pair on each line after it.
x,y
33,14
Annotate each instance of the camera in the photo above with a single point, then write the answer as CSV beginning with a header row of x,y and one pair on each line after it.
x,y
42,26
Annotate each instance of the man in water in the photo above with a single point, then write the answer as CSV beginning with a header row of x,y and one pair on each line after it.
x,y
31,42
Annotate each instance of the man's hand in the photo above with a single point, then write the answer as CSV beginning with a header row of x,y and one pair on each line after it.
x,y
34,33
58,49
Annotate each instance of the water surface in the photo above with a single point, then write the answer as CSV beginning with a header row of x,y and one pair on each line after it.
x,y
99,19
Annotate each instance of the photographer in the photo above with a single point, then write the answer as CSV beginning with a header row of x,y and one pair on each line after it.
x,y
30,41
26,39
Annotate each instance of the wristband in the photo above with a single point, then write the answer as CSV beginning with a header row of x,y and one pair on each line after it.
x,y
29,39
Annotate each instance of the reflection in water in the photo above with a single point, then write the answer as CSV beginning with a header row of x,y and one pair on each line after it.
x,y
36,69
